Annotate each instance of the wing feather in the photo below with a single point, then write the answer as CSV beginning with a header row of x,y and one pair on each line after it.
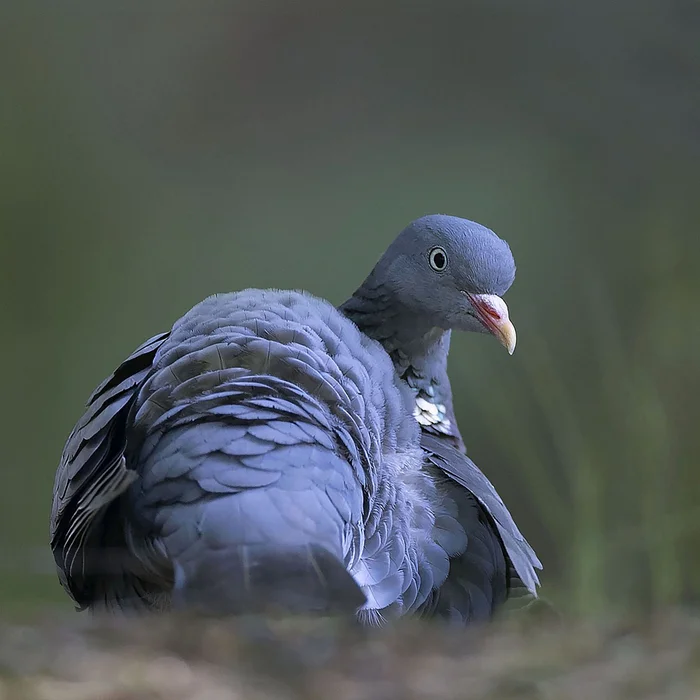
x,y
93,473
458,467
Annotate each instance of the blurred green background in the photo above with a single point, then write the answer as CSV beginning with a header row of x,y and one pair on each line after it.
x,y
151,157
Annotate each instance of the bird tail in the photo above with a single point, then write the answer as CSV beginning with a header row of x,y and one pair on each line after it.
x,y
265,579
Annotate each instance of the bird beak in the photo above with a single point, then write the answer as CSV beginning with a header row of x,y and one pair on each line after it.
x,y
493,313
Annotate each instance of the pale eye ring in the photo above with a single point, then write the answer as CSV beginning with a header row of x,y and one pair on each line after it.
x,y
437,257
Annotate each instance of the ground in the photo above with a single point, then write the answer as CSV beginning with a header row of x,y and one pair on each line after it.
x,y
80,658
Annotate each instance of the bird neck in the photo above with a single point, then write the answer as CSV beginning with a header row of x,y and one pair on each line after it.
x,y
417,348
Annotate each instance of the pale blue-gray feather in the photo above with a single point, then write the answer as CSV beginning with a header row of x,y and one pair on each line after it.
x,y
267,423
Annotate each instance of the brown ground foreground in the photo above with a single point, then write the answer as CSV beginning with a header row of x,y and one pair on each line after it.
x,y
79,658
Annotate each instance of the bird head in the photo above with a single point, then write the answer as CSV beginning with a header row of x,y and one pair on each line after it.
x,y
453,271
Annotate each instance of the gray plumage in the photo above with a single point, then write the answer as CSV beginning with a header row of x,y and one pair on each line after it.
x,y
263,433
266,454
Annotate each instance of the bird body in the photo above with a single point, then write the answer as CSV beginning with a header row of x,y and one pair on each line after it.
x,y
273,452
267,429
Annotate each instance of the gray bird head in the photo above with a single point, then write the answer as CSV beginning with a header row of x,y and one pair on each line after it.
x,y
453,271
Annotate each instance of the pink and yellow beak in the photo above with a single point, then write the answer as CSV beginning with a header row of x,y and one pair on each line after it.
x,y
493,313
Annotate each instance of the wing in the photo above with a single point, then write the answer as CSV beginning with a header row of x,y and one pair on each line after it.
x,y
458,467
92,473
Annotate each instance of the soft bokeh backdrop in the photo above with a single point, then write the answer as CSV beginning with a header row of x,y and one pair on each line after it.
x,y
152,154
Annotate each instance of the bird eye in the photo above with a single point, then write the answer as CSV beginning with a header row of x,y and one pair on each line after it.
x,y
437,258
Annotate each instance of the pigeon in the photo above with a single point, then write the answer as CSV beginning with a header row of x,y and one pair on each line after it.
x,y
443,273
268,453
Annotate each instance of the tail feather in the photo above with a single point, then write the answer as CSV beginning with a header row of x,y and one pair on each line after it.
x,y
257,579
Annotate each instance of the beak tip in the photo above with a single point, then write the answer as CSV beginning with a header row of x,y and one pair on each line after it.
x,y
508,337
